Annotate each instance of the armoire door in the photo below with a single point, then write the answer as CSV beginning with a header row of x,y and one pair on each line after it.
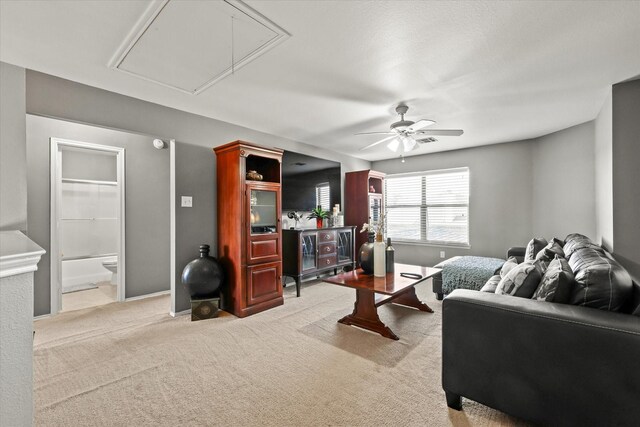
x,y
263,237
264,282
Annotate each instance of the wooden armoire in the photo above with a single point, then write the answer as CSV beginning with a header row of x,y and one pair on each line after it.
x,y
363,200
249,226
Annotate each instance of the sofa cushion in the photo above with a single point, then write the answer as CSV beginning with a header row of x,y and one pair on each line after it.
x,y
600,281
576,241
535,245
521,281
557,282
507,266
491,284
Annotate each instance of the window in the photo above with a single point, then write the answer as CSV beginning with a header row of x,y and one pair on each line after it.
x,y
323,196
428,207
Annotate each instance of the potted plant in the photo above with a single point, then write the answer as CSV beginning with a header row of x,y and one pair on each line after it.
x,y
319,214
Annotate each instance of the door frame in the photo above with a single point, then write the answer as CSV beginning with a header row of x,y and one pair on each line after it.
x,y
56,145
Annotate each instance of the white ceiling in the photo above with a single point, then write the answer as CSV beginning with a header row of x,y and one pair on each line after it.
x,y
502,71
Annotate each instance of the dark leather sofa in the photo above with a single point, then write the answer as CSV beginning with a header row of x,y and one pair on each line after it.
x,y
548,363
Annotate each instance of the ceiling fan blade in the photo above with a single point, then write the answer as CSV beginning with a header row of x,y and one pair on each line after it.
x,y
376,133
378,142
441,132
420,124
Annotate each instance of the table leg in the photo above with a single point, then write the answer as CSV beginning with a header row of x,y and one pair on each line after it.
x,y
410,299
365,315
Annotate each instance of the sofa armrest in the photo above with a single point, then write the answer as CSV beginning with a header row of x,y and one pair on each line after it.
x,y
517,251
545,362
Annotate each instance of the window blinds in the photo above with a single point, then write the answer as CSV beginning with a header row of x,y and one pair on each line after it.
x,y
428,207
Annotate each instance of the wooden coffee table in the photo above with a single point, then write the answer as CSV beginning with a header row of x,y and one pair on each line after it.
x,y
372,292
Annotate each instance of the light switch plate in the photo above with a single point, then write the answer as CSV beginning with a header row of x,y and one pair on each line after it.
x,y
186,201
441,254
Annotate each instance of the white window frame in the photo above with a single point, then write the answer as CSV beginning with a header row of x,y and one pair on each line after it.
x,y
423,205
318,187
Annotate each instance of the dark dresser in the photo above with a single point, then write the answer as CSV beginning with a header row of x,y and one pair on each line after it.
x,y
312,252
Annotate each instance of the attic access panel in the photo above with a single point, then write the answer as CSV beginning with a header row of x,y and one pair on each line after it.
x,y
189,46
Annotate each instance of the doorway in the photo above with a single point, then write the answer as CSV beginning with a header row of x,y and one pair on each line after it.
x,y
87,224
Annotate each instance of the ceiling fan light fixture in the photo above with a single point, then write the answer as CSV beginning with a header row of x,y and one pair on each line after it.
x,y
394,145
408,144
407,135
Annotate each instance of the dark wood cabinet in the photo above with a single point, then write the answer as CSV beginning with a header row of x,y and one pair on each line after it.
x,y
312,252
249,228
363,200
263,283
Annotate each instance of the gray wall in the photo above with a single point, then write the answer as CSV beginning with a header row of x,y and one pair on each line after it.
x,y
604,174
147,203
626,175
542,187
94,165
563,183
13,157
195,161
500,198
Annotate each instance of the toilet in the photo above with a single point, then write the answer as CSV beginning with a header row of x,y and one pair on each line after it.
x,y
112,266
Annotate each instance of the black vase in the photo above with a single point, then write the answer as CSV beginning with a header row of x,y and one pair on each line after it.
x,y
203,276
365,255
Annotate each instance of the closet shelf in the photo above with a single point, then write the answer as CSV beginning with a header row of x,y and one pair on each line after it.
x,y
78,257
89,181
87,219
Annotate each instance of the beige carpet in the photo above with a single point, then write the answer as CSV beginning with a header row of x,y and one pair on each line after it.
x,y
105,293
126,364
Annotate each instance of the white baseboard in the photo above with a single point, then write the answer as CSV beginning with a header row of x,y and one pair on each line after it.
x,y
180,313
155,294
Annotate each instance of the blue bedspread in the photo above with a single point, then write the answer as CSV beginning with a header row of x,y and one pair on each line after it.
x,y
468,272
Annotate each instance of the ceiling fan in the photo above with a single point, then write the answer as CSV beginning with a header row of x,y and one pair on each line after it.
x,y
406,135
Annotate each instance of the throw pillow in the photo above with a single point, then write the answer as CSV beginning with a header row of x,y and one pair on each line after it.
x,y
521,281
535,245
508,266
491,284
556,283
549,252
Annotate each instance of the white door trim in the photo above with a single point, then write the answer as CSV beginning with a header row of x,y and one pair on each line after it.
x,y
172,225
56,192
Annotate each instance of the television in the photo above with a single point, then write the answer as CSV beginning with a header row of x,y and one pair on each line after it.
x,y
303,177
